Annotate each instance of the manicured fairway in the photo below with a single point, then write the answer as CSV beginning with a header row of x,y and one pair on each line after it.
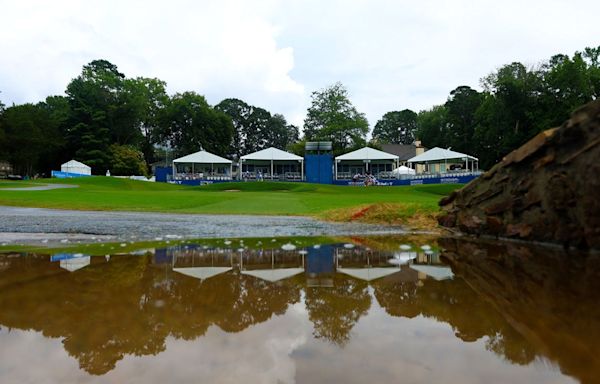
x,y
106,193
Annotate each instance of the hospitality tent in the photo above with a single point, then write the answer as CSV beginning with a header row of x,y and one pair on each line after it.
x,y
202,165
442,157
75,263
273,164
74,166
273,275
365,160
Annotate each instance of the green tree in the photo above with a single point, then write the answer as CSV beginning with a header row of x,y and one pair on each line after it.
x,y
332,117
397,127
126,161
255,128
460,118
431,126
31,138
191,124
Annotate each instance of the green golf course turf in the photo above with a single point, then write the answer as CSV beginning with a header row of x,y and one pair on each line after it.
x,y
268,198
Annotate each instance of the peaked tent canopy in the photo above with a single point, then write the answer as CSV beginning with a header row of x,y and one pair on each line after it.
x,y
403,170
202,273
440,154
74,166
367,153
435,271
273,275
368,274
271,154
202,157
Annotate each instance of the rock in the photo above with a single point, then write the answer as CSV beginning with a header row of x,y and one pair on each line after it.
x,y
548,190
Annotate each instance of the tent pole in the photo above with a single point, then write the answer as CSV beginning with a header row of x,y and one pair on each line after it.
x,y
302,170
271,169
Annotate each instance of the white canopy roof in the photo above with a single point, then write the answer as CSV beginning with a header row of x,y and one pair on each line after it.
x,y
202,157
271,154
435,271
367,153
274,275
76,263
403,170
440,154
202,273
368,274
75,164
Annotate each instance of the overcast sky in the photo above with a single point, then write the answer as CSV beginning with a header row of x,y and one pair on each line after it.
x,y
390,55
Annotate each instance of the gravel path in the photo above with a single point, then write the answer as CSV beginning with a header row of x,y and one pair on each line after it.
x,y
28,225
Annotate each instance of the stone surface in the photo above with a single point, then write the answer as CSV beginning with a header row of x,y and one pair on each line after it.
x,y
548,190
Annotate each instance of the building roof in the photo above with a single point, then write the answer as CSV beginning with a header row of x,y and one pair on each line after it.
x,y
436,271
271,154
440,154
403,151
273,275
369,274
202,157
367,153
202,273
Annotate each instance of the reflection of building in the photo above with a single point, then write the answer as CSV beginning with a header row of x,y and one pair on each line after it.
x,y
71,261
273,272
320,266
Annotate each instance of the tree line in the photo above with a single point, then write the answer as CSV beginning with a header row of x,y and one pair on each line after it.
x,y
121,124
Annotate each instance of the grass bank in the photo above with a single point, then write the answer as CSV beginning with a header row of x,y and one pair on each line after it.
x,y
397,205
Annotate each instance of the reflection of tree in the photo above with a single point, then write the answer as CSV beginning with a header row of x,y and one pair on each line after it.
x,y
453,302
549,296
127,306
334,311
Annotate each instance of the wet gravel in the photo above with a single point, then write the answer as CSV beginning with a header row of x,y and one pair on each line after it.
x,y
23,224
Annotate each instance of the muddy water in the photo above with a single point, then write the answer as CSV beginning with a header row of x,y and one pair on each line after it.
x,y
360,310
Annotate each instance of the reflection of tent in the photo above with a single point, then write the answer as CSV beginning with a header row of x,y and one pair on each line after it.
x,y
274,275
368,274
274,162
203,162
202,273
74,166
75,263
403,170
436,271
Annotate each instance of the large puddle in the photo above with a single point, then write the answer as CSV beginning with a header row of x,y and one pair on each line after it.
x,y
348,310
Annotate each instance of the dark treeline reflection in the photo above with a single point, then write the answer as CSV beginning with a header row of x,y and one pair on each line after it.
x,y
130,304
549,296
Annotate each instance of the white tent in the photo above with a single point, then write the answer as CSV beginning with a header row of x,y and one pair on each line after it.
x,y
272,156
75,263
203,161
435,271
74,166
364,159
440,155
403,170
368,274
274,275
202,273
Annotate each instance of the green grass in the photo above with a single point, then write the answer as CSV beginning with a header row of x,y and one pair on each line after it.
x,y
15,184
271,198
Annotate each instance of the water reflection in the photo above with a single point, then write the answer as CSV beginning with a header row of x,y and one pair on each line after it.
x,y
114,308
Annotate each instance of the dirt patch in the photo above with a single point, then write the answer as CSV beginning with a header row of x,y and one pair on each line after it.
x,y
385,213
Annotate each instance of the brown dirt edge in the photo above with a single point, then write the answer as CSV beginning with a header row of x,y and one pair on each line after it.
x,y
385,213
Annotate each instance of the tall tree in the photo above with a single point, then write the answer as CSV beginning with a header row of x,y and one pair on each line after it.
x,y
460,117
256,128
397,127
431,126
332,117
191,124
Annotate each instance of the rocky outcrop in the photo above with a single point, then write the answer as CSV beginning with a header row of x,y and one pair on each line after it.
x,y
548,190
